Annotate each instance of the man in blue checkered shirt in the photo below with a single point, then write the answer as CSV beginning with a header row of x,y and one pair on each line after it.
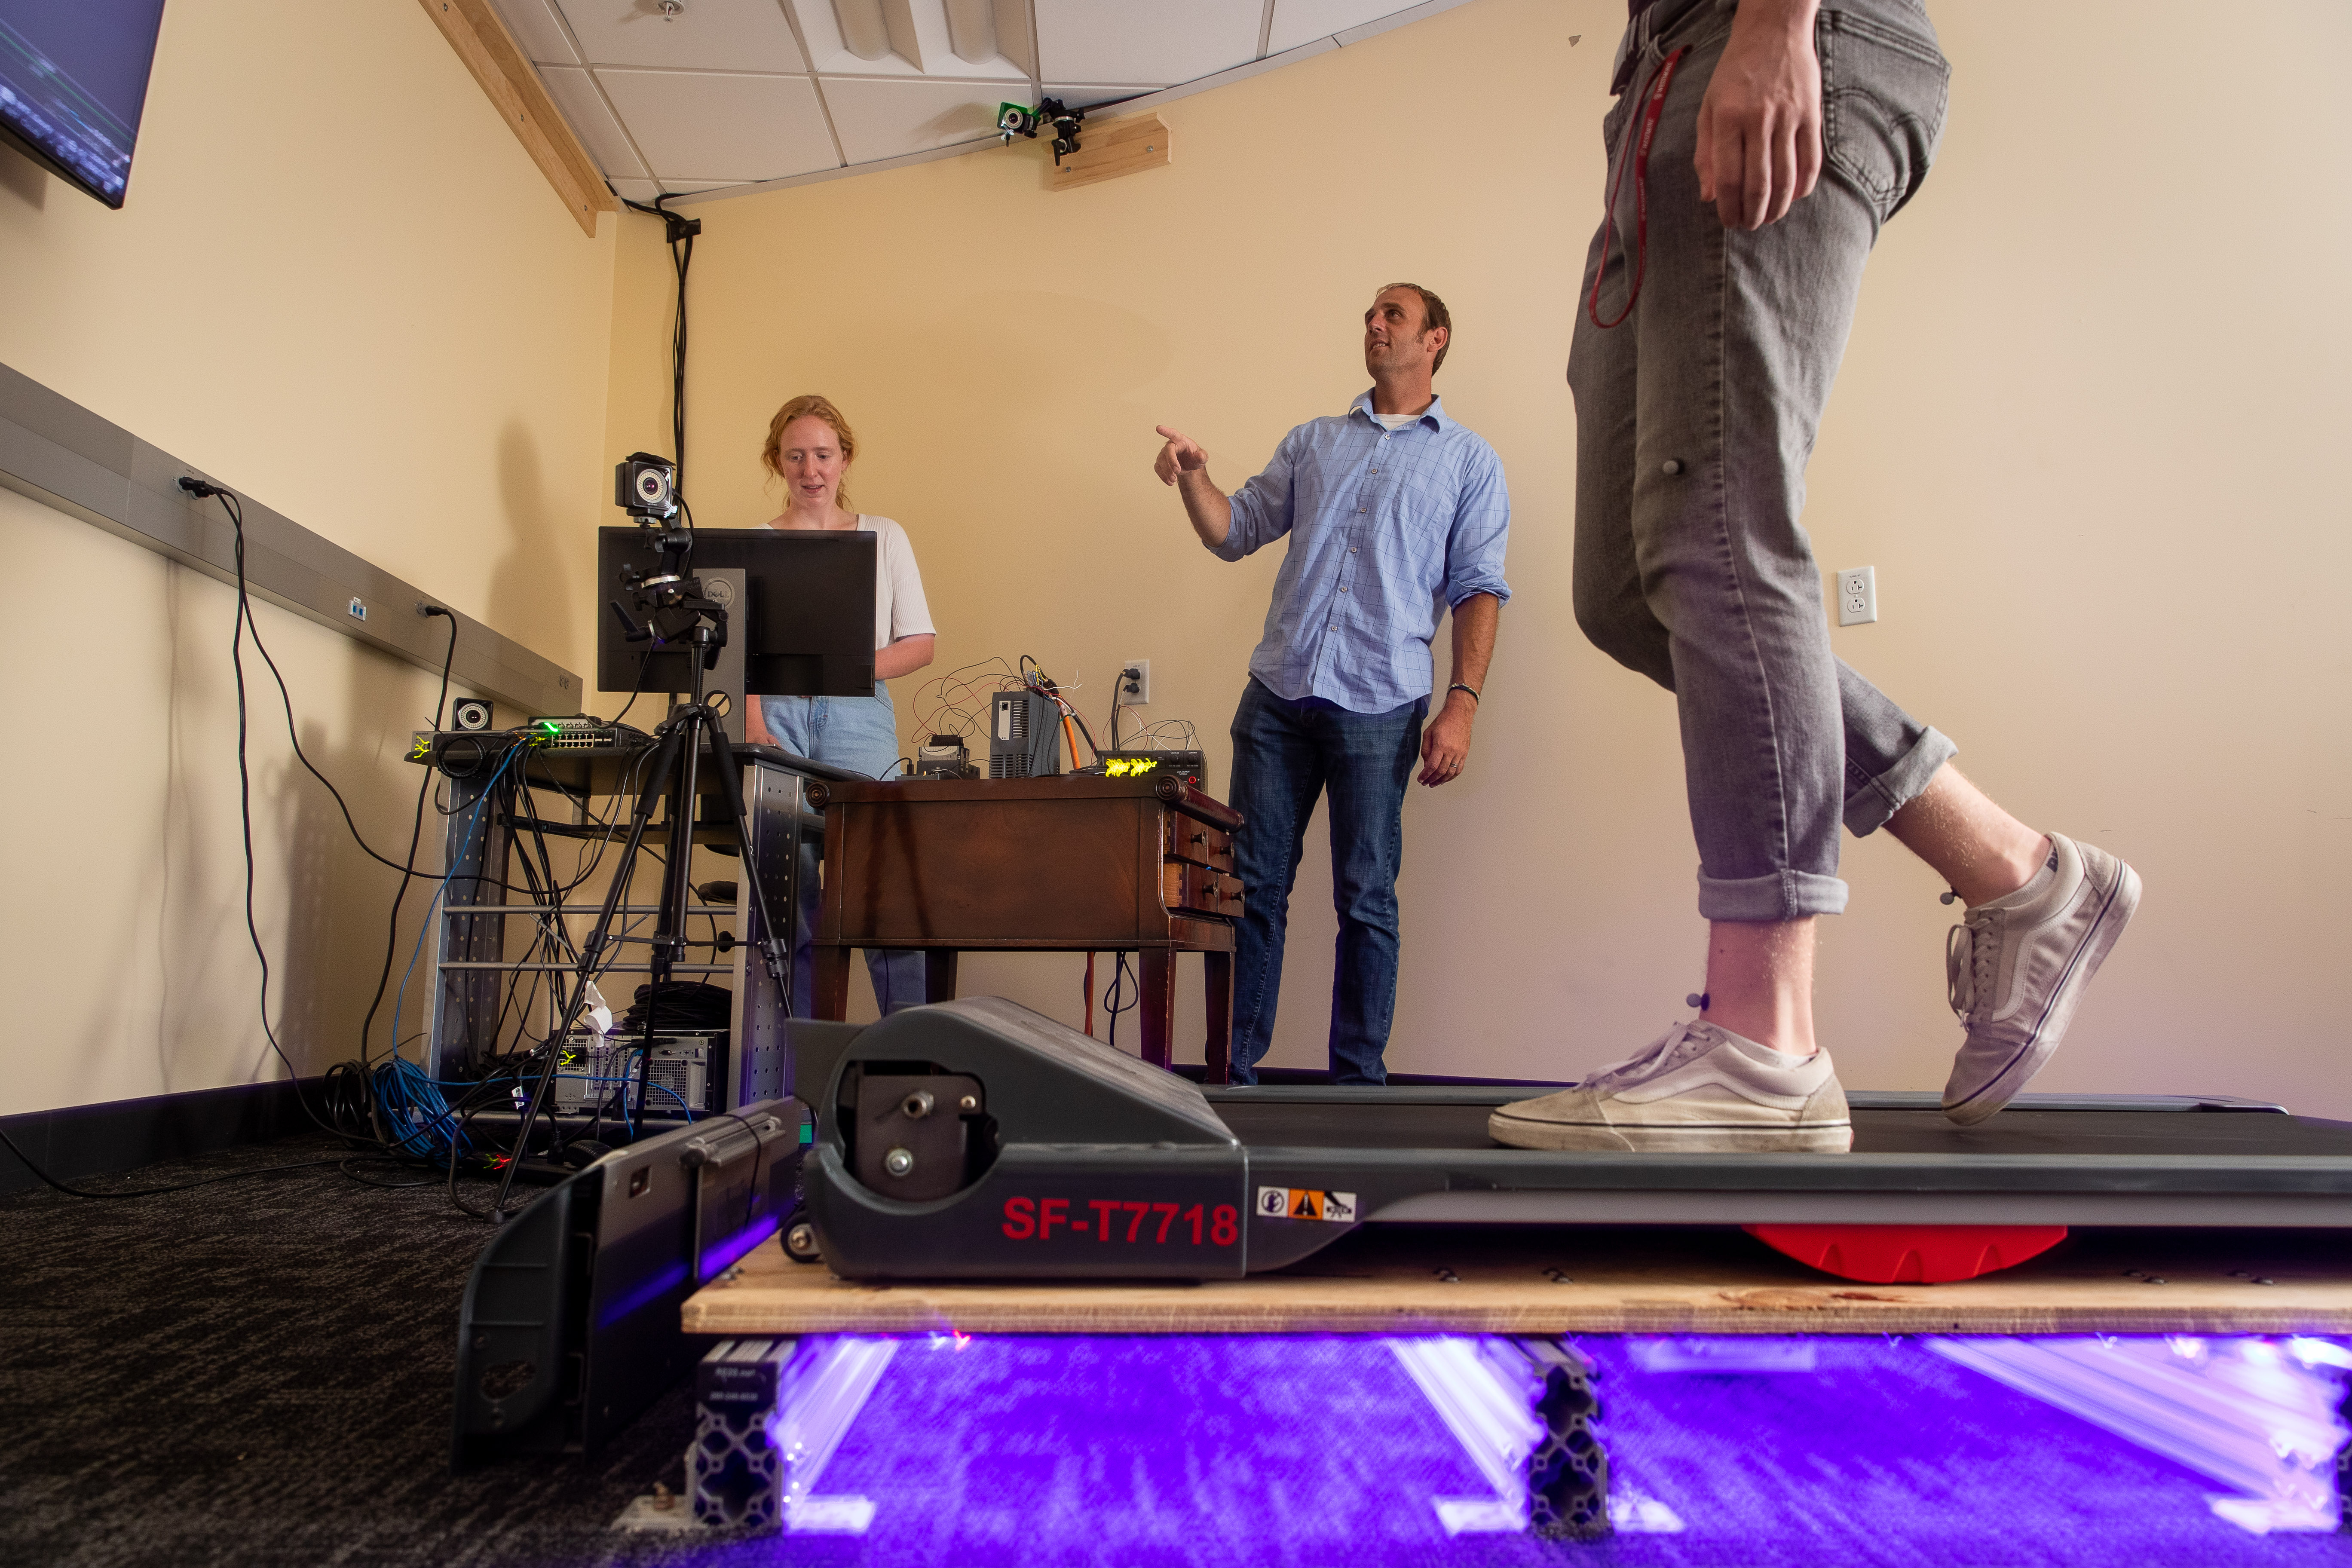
x,y
1390,509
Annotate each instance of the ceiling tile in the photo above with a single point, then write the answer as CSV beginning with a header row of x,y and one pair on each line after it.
x,y
636,190
1145,40
709,34
687,187
821,29
534,25
711,125
575,91
885,119
1297,22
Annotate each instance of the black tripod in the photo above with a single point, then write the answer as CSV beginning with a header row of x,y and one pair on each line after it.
x,y
677,612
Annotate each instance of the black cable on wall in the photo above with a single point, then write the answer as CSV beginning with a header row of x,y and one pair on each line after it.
x,y
679,232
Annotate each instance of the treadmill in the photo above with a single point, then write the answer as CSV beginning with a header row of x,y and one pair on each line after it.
x,y
976,1139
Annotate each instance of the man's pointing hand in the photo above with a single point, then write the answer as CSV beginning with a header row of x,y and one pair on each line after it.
x,y
1181,454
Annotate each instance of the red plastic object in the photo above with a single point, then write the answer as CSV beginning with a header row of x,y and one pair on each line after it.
x,y
1909,1254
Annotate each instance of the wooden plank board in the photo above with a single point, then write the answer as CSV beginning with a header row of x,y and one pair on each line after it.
x,y
506,77
1113,148
1394,1281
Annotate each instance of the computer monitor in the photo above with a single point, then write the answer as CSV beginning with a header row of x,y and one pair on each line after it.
x,y
806,631
73,85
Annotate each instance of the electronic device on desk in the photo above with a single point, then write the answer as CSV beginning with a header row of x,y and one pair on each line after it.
x,y
1024,734
944,757
596,1066
471,714
1186,765
459,752
582,732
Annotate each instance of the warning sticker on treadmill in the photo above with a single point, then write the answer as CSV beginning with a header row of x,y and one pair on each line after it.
x,y
1305,1202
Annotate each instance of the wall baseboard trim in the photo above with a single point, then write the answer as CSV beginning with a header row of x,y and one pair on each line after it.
x,y
77,1140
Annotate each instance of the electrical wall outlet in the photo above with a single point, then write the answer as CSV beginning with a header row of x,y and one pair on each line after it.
x,y
1134,683
358,609
1857,595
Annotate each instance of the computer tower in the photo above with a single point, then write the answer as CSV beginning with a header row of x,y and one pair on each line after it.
x,y
682,1068
1025,735
688,1071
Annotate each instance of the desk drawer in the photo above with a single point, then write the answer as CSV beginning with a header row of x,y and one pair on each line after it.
x,y
1189,838
1200,889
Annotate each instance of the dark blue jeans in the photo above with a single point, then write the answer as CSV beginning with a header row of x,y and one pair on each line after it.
x,y
1285,755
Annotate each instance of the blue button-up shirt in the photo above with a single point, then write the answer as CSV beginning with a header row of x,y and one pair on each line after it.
x,y
1383,526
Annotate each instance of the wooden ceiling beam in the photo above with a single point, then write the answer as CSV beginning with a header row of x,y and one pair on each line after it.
x,y
482,41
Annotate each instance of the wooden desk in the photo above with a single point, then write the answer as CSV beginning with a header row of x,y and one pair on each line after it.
x,y
1067,864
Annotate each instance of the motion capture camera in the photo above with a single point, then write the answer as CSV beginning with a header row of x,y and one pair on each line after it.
x,y
646,486
1018,120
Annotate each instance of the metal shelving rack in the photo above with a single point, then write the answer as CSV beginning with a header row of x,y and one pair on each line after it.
x,y
469,932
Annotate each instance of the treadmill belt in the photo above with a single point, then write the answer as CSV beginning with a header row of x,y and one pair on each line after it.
x,y
1365,1124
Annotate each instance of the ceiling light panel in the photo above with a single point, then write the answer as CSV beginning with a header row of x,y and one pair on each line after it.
x,y
708,34
917,34
720,127
535,27
1145,41
575,91
971,30
885,119
1297,22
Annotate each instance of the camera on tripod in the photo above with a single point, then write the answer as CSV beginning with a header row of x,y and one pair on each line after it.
x,y
668,600
646,486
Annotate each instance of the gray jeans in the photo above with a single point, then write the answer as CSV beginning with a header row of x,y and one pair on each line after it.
x,y
1694,421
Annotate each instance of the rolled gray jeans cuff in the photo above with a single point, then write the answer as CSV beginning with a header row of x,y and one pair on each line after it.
x,y
1872,803
1782,896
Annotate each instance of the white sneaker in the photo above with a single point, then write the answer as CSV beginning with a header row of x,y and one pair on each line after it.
x,y
2016,972
1697,1090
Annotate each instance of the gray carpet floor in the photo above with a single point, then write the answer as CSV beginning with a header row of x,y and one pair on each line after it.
x,y
258,1373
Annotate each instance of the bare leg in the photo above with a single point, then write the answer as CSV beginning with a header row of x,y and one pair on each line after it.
x,y
1759,982
1981,850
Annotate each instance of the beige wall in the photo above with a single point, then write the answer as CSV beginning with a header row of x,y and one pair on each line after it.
x,y
2082,434
340,285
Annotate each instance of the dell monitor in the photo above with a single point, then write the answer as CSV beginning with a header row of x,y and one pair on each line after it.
x,y
807,630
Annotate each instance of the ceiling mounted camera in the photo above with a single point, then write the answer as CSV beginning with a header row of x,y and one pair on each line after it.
x,y
1018,120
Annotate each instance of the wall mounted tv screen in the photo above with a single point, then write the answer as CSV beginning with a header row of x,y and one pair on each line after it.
x,y
73,78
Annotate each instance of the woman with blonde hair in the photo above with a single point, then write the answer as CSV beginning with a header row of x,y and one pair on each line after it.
x,y
810,447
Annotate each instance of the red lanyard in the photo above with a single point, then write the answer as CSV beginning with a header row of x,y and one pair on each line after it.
x,y
1661,79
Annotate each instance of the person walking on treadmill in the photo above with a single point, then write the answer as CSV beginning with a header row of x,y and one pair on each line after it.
x,y
1386,507
1700,366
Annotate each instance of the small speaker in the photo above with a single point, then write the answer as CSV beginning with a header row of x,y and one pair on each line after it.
x,y
470,713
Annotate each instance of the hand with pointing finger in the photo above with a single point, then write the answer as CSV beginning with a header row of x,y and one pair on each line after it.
x,y
1181,454
1181,463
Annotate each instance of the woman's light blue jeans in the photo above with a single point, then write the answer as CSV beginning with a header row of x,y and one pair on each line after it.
x,y
860,733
